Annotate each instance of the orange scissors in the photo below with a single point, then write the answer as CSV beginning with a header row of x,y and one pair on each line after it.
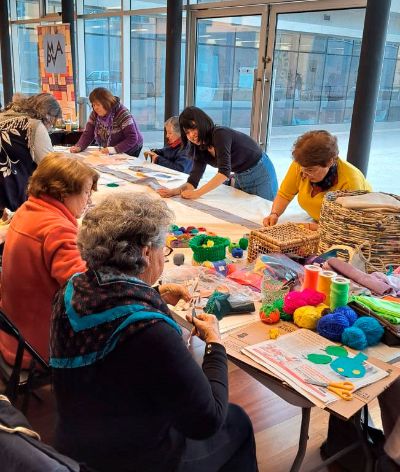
x,y
342,389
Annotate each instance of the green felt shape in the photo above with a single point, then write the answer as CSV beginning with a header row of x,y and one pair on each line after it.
x,y
112,184
319,358
351,367
338,351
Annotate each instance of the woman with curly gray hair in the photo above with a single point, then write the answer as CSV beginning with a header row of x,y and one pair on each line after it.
x,y
25,140
130,397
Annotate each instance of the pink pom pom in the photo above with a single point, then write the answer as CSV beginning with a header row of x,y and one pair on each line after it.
x,y
308,296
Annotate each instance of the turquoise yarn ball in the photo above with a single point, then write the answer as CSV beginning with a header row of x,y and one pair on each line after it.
x,y
355,338
372,329
348,312
332,326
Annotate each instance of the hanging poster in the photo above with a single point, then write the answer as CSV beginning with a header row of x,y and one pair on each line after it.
x,y
55,62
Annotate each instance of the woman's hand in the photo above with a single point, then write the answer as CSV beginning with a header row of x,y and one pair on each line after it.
x,y
206,327
151,155
190,194
75,149
168,192
105,150
271,220
172,293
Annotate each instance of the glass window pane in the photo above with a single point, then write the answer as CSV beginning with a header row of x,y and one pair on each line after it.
x,y
53,6
138,4
100,6
312,43
103,70
28,59
148,73
27,9
227,56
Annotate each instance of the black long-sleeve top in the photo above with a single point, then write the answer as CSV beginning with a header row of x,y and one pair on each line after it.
x,y
234,152
133,410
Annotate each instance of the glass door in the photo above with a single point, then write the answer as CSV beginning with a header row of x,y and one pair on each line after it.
x,y
311,77
226,68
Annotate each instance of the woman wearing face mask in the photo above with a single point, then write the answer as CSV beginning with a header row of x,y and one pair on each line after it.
x,y
227,150
41,253
315,170
111,125
25,140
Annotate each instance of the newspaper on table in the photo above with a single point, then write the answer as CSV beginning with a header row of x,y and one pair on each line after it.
x,y
286,357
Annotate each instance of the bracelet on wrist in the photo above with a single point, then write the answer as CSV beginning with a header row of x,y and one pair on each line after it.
x,y
274,213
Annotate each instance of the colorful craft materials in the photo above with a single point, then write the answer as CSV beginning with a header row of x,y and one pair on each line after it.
x,y
221,267
311,273
232,246
274,333
324,283
348,312
388,310
237,252
319,358
340,288
173,228
350,366
338,351
215,253
372,329
269,315
354,337
306,317
294,300
179,259
332,326
243,243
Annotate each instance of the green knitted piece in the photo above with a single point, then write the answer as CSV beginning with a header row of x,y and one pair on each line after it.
x,y
218,305
286,317
243,243
388,310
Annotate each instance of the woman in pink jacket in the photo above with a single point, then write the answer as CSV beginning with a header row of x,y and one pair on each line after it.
x,y
40,252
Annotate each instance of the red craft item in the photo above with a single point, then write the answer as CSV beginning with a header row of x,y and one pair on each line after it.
x,y
271,317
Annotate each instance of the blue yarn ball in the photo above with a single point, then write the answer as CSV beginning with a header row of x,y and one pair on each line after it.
x,y
348,312
237,252
355,338
372,329
332,326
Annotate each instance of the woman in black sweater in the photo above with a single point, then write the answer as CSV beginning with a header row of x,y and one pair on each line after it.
x,y
229,151
130,397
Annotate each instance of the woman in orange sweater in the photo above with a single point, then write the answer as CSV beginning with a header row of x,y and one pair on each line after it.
x,y
40,253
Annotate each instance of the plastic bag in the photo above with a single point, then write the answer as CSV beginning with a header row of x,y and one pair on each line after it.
x,y
279,267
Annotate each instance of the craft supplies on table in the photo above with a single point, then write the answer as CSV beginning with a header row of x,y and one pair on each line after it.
x,y
324,283
311,274
342,389
374,231
339,294
289,238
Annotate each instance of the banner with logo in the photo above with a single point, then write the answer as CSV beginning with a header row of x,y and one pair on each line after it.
x,y
55,63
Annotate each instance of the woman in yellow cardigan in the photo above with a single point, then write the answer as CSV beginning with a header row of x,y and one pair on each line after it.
x,y
315,170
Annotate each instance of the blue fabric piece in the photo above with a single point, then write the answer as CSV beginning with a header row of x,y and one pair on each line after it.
x,y
259,180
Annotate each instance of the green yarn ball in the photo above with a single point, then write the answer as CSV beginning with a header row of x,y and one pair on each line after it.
x,y
243,243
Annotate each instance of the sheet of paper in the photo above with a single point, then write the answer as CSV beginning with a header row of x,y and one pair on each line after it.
x,y
286,357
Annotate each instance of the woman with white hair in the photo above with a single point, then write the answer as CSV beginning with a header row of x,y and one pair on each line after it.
x,y
25,140
130,396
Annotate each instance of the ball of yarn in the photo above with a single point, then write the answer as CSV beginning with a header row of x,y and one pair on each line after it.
x,y
322,309
274,333
332,326
348,312
354,337
372,329
243,243
294,300
306,317
179,259
237,252
270,313
232,246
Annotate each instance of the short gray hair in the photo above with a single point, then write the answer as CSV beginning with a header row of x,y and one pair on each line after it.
x,y
42,106
174,123
115,231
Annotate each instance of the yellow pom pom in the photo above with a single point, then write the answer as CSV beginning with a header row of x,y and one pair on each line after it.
x,y
306,317
208,264
210,243
274,333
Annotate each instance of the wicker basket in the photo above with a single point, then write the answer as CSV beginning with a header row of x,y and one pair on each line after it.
x,y
375,233
214,253
289,238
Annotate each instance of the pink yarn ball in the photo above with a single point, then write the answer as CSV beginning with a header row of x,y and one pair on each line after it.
x,y
308,296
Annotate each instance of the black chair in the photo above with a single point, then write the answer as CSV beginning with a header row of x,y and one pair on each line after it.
x,y
18,380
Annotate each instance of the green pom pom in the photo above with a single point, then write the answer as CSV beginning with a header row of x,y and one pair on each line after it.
x,y
243,243
173,228
232,246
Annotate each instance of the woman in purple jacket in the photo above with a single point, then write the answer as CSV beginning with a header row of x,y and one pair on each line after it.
x,y
111,125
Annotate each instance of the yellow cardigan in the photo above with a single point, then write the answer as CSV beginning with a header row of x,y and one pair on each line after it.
x,y
349,178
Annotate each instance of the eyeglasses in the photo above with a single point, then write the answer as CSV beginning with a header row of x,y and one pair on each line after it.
x,y
167,251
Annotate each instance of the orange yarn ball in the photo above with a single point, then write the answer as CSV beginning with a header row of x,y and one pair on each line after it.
x,y
270,317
